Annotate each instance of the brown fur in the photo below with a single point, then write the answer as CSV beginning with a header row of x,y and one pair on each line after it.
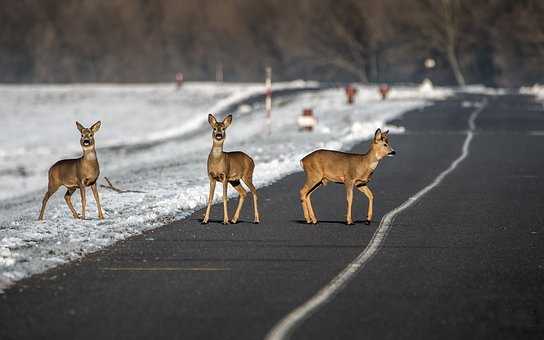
x,y
229,167
76,174
354,170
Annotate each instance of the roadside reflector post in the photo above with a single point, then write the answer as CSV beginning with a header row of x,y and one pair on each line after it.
x,y
384,90
179,80
268,99
219,72
307,121
268,85
351,91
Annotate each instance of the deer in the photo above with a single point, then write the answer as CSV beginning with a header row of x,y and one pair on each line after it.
x,y
229,168
76,174
351,169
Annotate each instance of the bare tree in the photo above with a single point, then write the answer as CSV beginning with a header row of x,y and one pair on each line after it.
x,y
497,42
438,24
337,36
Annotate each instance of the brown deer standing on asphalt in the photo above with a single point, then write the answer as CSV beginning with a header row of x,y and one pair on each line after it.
x,y
76,174
354,170
229,167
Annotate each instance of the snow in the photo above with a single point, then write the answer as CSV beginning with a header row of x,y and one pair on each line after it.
x,y
536,90
156,140
481,89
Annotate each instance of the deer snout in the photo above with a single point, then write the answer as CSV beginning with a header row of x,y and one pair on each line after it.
x,y
86,142
218,135
392,153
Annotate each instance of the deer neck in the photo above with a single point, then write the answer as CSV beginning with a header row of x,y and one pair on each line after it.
x,y
217,149
372,158
89,155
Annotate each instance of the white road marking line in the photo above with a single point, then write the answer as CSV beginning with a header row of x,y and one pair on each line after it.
x,y
284,328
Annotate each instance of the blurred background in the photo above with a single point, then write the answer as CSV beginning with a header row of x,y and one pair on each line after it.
x,y
492,42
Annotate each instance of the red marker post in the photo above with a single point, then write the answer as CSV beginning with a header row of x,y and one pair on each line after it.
x,y
179,80
384,91
351,91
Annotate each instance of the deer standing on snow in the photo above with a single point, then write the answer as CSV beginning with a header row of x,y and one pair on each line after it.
x,y
354,170
76,174
229,168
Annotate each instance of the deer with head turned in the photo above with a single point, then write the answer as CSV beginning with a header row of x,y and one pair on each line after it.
x,y
229,168
354,170
76,174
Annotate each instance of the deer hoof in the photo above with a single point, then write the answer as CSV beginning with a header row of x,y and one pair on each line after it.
x,y
367,222
226,222
349,223
233,221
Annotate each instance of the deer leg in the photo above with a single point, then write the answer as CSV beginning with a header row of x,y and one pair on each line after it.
x,y
303,194
83,200
249,182
366,190
242,197
225,199
210,199
309,187
310,207
50,191
349,198
97,200
68,199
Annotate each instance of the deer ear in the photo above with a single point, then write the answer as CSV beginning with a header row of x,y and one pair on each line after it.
x,y
96,126
378,135
227,121
80,127
212,120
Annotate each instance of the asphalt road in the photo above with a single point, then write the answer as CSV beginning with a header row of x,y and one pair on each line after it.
x,y
465,261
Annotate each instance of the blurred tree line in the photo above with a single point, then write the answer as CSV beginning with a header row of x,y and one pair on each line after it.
x,y
495,42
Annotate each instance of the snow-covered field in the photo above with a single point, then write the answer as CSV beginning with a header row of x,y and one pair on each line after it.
x,y
156,140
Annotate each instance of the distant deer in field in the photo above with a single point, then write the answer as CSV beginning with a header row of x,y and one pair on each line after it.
x,y
76,174
229,167
354,170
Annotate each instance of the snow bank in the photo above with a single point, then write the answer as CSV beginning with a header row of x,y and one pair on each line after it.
x,y
536,90
481,89
171,174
